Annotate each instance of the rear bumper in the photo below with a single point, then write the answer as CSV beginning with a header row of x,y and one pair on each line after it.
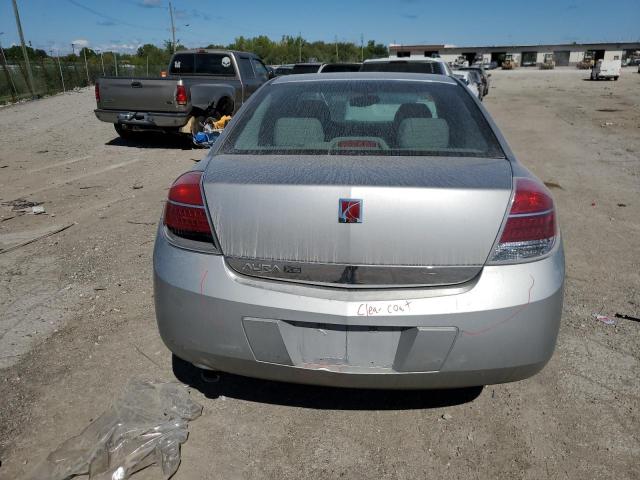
x,y
143,119
501,327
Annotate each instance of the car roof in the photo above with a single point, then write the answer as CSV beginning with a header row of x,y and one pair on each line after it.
x,y
354,76
217,50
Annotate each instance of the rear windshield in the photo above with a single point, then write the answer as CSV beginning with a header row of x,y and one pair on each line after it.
x,y
311,68
353,117
202,64
341,67
405,67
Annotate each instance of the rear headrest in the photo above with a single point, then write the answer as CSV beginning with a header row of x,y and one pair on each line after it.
x,y
411,110
423,133
297,131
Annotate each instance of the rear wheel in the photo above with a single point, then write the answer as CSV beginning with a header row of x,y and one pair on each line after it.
x,y
123,131
615,78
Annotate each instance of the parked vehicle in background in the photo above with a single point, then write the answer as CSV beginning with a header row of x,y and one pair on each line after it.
x,y
549,62
485,76
200,84
312,67
340,67
460,61
468,79
509,62
587,62
367,230
606,70
433,65
529,63
476,77
283,70
491,65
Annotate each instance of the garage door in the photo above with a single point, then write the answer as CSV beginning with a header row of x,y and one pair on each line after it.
x,y
561,57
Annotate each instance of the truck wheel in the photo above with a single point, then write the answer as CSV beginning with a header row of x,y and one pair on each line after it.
x,y
123,132
615,78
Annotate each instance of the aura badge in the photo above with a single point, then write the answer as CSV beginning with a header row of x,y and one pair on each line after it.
x,y
349,210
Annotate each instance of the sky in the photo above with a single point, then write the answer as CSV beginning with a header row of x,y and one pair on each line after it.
x,y
123,25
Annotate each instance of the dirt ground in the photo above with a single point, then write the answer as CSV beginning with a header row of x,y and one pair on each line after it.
x,y
77,320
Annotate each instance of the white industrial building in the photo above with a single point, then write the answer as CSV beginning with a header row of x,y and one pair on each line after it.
x,y
564,54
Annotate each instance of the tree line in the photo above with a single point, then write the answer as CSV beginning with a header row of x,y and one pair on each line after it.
x,y
288,49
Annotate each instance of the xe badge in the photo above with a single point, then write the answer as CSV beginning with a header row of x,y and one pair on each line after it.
x,y
349,210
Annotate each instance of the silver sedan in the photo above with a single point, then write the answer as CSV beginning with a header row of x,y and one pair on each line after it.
x,y
361,230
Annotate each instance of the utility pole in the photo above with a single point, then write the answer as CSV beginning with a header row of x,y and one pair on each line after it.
x,y
24,48
73,48
299,47
115,62
362,47
14,92
173,27
102,61
61,76
147,65
336,48
86,65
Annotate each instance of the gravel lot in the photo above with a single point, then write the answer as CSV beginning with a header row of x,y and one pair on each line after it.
x,y
77,320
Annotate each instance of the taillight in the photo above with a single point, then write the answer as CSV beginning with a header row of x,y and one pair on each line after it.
x,y
181,95
531,227
97,90
185,215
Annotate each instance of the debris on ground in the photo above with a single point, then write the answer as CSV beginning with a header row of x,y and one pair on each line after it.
x,y
553,185
622,204
447,416
145,426
605,319
35,239
37,210
137,186
607,124
20,204
627,317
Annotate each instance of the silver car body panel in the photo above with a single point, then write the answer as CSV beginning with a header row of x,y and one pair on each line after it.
x,y
501,327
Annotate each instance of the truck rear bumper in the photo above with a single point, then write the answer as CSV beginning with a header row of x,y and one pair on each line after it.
x,y
143,119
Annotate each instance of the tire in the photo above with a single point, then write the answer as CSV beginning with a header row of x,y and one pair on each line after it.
x,y
615,79
123,132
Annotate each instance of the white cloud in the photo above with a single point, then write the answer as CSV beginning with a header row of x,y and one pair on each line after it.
x,y
81,42
121,47
151,3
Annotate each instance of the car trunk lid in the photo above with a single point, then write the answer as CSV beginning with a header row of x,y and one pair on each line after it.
x,y
424,221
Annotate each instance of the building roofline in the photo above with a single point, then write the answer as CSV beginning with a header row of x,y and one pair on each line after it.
x,y
396,46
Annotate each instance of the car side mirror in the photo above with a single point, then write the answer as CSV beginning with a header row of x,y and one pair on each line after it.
x,y
271,74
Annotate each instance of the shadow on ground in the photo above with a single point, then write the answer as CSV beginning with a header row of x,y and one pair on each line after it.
x,y
154,140
324,398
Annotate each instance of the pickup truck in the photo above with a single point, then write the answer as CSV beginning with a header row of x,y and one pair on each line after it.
x,y
200,84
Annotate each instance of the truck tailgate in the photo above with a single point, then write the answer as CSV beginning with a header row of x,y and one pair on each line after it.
x,y
139,94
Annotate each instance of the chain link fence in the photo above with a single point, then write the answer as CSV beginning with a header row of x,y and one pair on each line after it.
x,y
51,76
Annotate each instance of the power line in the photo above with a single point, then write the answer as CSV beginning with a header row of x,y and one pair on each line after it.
x,y
108,17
